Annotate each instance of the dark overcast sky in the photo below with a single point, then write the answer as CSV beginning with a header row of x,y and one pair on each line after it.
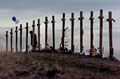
x,y
30,8
58,4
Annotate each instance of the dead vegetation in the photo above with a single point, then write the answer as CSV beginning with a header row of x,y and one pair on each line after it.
x,y
56,66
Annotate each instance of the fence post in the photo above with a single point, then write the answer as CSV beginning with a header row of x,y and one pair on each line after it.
x,y
101,33
33,34
53,31
46,32
20,37
91,31
63,31
11,40
16,42
6,41
72,31
111,49
38,34
81,31
26,37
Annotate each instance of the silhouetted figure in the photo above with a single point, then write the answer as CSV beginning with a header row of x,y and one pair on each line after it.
x,y
35,39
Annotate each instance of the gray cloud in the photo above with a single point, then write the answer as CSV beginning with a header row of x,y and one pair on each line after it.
x,y
58,4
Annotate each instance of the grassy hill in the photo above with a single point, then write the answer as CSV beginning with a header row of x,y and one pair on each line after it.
x,y
56,66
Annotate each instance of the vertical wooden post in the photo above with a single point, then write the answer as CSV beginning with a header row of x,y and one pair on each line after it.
x,y
111,49
81,31
33,34
46,32
26,37
72,31
91,31
20,37
53,31
6,41
101,33
63,30
38,34
16,42
11,40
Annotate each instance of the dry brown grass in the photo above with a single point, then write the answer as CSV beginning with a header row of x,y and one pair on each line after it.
x,y
56,66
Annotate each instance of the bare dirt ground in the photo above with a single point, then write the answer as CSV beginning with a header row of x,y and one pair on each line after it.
x,y
56,66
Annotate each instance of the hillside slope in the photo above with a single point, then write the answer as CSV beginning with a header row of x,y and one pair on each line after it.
x,y
56,66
